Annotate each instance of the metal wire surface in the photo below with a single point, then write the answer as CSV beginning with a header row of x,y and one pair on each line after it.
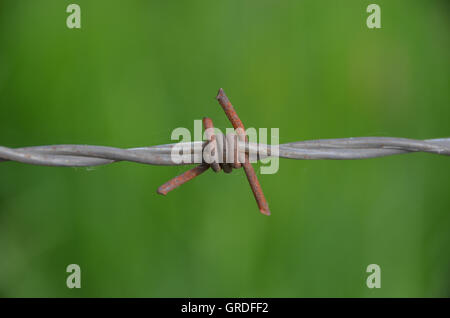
x,y
332,149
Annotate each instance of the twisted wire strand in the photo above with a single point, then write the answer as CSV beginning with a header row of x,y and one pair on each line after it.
x,y
331,149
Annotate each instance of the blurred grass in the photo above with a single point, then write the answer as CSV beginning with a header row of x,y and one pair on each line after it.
x,y
138,69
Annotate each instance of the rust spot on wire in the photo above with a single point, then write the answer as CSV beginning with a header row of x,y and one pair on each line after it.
x,y
249,171
182,178
227,167
209,130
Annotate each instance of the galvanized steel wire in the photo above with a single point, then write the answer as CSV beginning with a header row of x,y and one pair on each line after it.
x,y
331,149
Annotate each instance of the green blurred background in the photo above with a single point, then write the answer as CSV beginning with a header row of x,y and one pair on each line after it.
x,y
138,69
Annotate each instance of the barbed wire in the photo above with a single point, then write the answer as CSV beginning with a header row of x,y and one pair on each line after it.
x,y
331,149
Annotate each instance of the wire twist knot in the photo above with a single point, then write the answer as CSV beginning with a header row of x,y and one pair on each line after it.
x,y
221,152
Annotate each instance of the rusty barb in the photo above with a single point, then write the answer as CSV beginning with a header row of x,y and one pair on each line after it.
x,y
226,166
